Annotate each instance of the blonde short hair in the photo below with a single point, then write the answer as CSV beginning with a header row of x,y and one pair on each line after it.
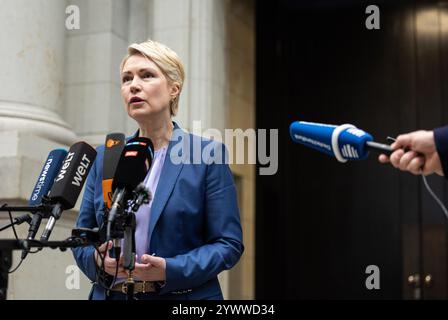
x,y
166,59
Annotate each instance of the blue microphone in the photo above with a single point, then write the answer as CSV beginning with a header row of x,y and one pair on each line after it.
x,y
46,177
44,183
344,142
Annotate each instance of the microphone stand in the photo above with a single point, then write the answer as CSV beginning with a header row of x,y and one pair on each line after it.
x,y
5,265
6,255
32,209
122,226
17,221
141,196
129,252
80,238
41,211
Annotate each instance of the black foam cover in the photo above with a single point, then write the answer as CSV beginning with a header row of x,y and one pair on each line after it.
x,y
72,175
114,146
135,161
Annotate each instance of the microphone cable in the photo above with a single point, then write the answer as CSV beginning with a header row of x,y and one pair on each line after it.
x,y
431,192
102,269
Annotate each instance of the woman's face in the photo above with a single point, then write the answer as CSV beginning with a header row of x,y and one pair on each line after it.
x,y
145,89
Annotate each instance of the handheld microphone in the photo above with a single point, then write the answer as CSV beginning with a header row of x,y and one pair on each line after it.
x,y
114,145
134,163
344,142
44,183
69,182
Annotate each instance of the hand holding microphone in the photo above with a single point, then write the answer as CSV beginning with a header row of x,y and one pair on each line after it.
x,y
415,152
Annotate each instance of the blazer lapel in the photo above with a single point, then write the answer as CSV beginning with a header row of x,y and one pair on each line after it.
x,y
167,181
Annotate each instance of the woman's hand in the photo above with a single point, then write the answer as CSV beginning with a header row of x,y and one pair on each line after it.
x,y
150,268
110,264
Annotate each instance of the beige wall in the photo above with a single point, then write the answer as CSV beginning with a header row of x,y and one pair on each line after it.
x,y
240,56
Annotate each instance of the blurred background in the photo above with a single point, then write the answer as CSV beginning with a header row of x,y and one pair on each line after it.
x,y
310,230
319,223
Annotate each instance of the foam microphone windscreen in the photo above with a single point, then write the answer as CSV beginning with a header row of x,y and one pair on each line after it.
x,y
345,142
113,148
73,174
46,177
135,161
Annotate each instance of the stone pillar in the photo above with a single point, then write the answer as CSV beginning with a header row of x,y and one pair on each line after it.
x,y
31,99
93,104
140,28
195,29
32,51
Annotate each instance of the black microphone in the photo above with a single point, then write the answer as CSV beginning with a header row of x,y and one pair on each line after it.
x,y
134,163
69,182
44,183
113,147
112,152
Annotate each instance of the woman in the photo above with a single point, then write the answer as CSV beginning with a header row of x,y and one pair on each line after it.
x,y
191,230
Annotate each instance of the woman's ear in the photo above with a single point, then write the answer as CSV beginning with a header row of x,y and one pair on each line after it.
x,y
175,89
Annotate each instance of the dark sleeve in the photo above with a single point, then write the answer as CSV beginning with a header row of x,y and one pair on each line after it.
x,y
441,140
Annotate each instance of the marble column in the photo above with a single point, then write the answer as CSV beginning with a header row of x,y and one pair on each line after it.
x,y
32,64
32,51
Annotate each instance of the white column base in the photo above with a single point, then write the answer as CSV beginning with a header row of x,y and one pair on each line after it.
x,y
35,120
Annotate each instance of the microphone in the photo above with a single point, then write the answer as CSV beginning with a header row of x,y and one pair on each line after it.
x,y
344,142
132,168
69,182
114,145
44,183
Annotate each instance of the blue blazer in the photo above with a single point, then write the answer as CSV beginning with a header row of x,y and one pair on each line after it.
x,y
441,141
194,223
